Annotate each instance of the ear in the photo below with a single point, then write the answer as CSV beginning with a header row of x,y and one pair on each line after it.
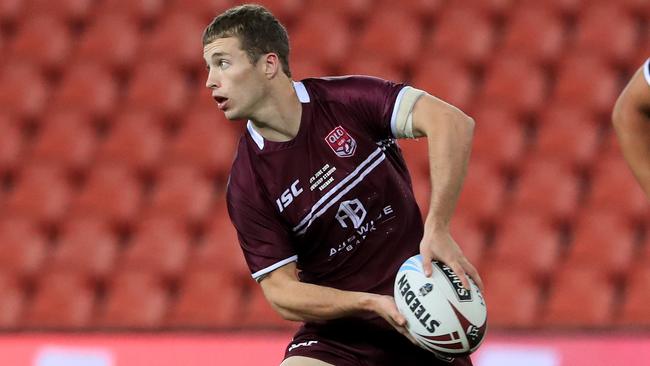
x,y
272,65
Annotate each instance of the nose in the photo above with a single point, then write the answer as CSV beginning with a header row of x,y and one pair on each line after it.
x,y
212,82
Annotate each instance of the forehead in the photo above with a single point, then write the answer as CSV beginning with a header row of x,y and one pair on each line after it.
x,y
229,45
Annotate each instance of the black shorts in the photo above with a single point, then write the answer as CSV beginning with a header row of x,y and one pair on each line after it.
x,y
345,342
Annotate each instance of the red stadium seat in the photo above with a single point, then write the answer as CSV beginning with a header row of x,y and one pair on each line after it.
x,y
602,240
203,10
159,245
111,192
11,302
614,188
87,246
548,187
258,312
109,29
373,66
308,67
135,300
142,11
483,194
183,193
322,37
470,238
514,81
207,298
146,91
528,242
453,38
535,32
607,31
11,10
205,142
585,81
66,140
636,296
23,90
136,141
11,144
87,88
567,133
285,10
513,297
67,10
499,137
175,39
421,10
22,248
62,300
355,10
219,246
376,35
42,194
28,42
566,305
447,80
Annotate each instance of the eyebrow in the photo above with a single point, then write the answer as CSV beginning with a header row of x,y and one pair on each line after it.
x,y
219,54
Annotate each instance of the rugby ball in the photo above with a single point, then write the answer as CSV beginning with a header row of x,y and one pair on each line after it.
x,y
443,316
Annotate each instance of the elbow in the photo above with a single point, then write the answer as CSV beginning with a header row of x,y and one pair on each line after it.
x,y
468,127
617,115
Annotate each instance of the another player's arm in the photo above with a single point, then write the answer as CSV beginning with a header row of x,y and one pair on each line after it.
x,y
449,134
299,301
631,118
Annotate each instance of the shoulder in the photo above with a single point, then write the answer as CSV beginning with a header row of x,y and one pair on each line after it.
x,y
346,87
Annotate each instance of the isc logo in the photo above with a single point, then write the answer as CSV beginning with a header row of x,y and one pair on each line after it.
x,y
287,196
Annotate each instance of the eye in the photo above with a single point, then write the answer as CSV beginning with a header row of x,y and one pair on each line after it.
x,y
223,64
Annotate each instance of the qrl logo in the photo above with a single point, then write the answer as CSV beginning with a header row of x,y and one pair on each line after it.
x,y
341,142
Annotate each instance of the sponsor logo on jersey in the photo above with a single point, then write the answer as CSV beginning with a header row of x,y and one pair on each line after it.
x,y
287,197
351,210
461,292
341,142
301,344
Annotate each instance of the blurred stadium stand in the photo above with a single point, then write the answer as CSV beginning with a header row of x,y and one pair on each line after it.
x,y
114,160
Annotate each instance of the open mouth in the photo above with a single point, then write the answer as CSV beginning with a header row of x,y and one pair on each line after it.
x,y
219,100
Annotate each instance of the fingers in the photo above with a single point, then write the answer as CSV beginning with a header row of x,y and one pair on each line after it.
x,y
426,263
460,272
473,273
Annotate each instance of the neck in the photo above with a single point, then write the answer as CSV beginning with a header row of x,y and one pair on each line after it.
x,y
278,118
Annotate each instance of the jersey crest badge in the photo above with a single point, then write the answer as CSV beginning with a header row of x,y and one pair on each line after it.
x,y
341,142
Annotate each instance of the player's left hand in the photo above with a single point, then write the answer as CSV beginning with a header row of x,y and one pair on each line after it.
x,y
439,245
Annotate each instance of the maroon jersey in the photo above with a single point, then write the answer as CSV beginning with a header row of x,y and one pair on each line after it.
x,y
337,198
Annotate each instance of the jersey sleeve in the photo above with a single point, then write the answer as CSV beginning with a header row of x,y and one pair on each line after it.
x,y
646,71
264,239
383,106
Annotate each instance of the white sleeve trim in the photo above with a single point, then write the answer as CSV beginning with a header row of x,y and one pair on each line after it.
x,y
401,121
257,275
646,72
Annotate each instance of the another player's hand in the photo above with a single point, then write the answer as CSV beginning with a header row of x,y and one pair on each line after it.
x,y
439,245
384,305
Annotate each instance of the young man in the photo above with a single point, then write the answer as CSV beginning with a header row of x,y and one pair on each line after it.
x,y
631,119
320,195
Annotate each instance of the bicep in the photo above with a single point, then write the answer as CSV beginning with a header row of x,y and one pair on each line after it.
x,y
430,113
274,283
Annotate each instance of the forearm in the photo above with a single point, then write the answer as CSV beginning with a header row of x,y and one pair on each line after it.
x,y
300,301
449,144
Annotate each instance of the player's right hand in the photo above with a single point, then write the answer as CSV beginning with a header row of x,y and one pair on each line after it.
x,y
385,307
